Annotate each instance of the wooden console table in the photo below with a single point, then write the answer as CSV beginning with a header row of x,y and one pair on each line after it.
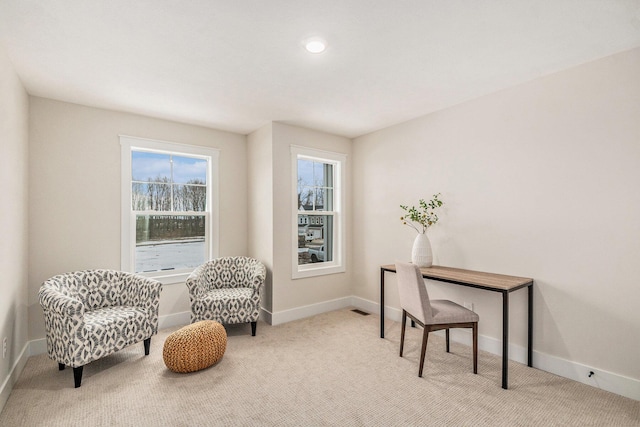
x,y
476,279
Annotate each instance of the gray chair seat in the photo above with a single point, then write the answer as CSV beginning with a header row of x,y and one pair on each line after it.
x,y
445,311
432,315
114,328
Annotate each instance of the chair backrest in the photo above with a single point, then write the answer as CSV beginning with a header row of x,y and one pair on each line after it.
x,y
414,297
95,288
232,272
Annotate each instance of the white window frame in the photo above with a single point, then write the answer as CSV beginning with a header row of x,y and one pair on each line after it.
x,y
339,161
128,221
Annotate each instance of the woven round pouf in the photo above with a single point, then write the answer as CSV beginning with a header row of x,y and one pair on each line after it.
x,y
195,347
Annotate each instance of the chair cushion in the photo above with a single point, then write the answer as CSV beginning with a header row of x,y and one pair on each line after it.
x,y
231,305
445,311
112,328
227,294
229,272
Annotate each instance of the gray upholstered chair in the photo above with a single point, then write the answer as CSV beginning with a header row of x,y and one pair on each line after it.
x,y
432,315
92,313
227,290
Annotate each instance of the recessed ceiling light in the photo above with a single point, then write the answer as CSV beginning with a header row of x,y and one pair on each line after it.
x,y
315,45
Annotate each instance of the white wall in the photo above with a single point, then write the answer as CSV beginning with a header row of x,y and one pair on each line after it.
x,y
271,239
74,192
540,181
260,204
288,293
14,111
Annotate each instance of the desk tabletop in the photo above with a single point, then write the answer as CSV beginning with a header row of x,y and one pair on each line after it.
x,y
476,278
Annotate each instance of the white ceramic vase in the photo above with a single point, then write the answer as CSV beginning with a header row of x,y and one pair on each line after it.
x,y
421,254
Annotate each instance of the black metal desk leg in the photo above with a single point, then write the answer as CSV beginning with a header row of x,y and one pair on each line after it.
x,y
530,331
505,339
381,303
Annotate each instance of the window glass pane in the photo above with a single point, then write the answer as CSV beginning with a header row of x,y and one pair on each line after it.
x,y
315,238
305,198
319,199
189,198
310,199
327,197
168,242
189,170
315,185
157,197
302,195
150,167
305,172
318,174
327,175
140,200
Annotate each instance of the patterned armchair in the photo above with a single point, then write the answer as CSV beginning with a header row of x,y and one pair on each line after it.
x,y
93,313
227,290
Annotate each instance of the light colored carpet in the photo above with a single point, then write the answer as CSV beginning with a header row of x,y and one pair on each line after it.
x,y
330,369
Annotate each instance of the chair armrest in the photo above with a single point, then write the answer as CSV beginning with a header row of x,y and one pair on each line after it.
x,y
259,276
140,291
59,303
195,282
64,325
143,292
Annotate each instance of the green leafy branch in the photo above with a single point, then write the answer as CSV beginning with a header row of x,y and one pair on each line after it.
x,y
423,216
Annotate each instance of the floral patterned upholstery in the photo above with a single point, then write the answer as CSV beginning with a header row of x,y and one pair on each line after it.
x,y
227,290
93,313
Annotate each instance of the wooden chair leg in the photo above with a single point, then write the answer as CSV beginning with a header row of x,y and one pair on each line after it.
x,y
404,324
77,376
475,348
253,328
147,345
447,334
425,338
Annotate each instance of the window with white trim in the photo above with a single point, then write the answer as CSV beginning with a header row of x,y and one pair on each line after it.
x,y
318,209
169,207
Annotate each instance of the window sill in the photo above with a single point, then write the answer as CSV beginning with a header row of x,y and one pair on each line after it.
x,y
168,279
317,271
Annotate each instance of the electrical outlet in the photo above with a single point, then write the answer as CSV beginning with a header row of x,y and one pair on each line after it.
x,y
468,305
4,347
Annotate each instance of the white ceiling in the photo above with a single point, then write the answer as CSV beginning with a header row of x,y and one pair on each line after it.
x,y
239,64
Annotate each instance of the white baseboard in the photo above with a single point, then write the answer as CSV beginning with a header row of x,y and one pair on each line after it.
x,y
614,383
605,380
266,315
12,377
38,346
175,319
609,381
374,307
285,316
